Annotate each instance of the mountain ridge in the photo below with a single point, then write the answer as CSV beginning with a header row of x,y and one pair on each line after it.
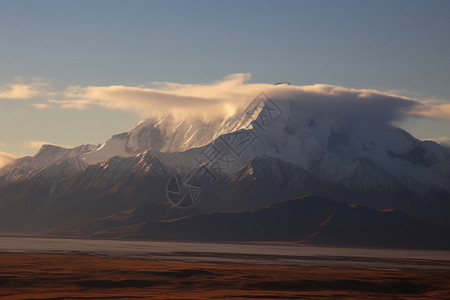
x,y
308,219
270,152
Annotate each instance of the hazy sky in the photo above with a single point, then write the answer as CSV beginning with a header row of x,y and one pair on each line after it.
x,y
61,60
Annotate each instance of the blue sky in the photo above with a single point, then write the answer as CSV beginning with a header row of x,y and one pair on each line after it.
x,y
49,47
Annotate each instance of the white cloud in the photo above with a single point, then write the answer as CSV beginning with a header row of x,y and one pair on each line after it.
x,y
216,98
22,90
233,92
17,91
437,111
6,158
221,97
81,104
36,145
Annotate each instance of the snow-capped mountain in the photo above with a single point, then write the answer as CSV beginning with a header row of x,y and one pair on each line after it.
x,y
271,151
354,154
166,134
49,157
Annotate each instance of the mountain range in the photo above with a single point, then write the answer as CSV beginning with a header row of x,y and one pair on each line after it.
x,y
276,171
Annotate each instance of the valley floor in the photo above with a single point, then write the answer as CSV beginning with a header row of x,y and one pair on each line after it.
x,y
82,276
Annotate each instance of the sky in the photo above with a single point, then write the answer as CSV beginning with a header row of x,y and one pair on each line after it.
x,y
77,72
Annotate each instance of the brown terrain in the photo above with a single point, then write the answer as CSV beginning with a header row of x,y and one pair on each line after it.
x,y
67,276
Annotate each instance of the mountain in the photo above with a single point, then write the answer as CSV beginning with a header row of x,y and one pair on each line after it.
x,y
310,219
166,134
48,156
167,168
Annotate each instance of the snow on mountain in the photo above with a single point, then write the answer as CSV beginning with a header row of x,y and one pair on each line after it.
x,y
170,135
115,146
357,154
164,135
48,155
66,168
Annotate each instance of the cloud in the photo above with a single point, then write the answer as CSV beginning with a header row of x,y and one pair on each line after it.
x,y
226,96
216,98
439,111
356,104
232,93
6,158
41,105
36,144
21,90
71,104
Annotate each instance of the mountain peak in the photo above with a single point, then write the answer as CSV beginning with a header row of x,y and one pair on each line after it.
x,y
47,149
339,148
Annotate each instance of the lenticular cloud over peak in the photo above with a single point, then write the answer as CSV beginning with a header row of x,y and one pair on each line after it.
x,y
356,105
233,93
